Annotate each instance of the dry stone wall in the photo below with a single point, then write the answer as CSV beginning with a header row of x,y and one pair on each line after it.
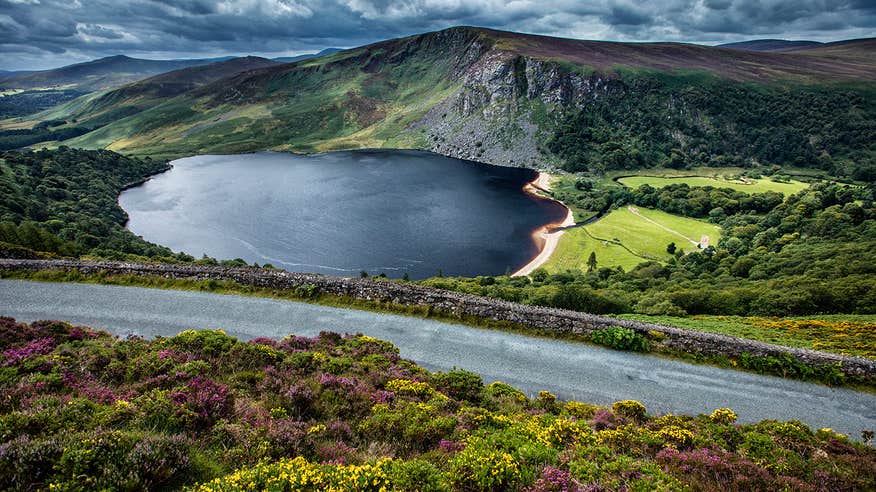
x,y
457,304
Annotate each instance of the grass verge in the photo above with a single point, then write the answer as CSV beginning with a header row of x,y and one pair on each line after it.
x,y
840,334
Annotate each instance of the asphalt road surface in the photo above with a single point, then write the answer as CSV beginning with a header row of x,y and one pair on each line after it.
x,y
570,370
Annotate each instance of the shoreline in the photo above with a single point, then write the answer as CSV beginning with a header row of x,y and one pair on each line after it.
x,y
548,235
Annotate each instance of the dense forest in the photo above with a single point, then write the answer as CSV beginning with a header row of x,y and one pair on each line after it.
x,y
65,202
81,410
809,254
646,121
45,131
29,102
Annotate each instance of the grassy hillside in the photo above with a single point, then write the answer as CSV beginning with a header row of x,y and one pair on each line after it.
x,y
629,236
96,74
83,410
514,99
97,109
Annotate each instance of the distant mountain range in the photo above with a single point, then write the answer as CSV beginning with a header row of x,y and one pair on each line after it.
x,y
778,45
499,97
112,71
290,59
98,74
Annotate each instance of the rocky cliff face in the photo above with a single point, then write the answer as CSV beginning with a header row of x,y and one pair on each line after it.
x,y
506,106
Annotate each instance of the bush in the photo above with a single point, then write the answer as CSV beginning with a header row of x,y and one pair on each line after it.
x,y
414,426
460,385
723,416
630,409
24,460
476,468
122,460
620,338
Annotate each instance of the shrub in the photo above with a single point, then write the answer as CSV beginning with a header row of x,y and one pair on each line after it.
x,y
300,474
579,410
500,390
419,475
460,385
406,387
414,426
101,413
122,460
630,409
620,338
207,400
723,416
547,401
554,480
24,460
207,343
676,436
476,468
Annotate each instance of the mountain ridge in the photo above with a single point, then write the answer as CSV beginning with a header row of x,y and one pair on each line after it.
x,y
779,45
492,96
98,74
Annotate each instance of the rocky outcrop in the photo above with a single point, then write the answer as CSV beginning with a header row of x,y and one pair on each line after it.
x,y
504,109
459,304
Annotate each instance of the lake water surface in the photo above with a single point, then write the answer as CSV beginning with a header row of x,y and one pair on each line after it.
x,y
340,213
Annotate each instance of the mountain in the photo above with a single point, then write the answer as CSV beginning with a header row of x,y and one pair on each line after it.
x,y
524,100
859,50
96,74
775,45
107,106
291,59
95,110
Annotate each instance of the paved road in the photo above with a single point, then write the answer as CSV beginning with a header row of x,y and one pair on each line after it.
x,y
572,371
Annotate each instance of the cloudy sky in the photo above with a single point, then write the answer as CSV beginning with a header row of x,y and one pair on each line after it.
x,y
37,34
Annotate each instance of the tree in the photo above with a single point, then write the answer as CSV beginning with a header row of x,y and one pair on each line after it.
x,y
591,262
670,248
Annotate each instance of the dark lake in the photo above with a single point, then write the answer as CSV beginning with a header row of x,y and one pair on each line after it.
x,y
339,213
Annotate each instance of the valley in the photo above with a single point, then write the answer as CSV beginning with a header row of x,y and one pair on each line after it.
x,y
392,213
680,235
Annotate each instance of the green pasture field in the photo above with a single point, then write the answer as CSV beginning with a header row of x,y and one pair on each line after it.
x,y
625,239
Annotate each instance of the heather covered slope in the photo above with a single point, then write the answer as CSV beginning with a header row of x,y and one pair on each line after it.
x,y
668,57
778,45
83,411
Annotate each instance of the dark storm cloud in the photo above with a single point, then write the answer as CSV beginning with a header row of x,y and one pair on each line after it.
x,y
41,33
623,15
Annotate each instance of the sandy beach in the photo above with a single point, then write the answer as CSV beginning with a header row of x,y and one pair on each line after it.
x,y
548,235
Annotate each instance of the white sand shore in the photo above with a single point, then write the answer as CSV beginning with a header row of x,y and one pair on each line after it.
x,y
547,235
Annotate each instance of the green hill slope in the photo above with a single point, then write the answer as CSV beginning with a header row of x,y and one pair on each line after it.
x,y
514,99
97,74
